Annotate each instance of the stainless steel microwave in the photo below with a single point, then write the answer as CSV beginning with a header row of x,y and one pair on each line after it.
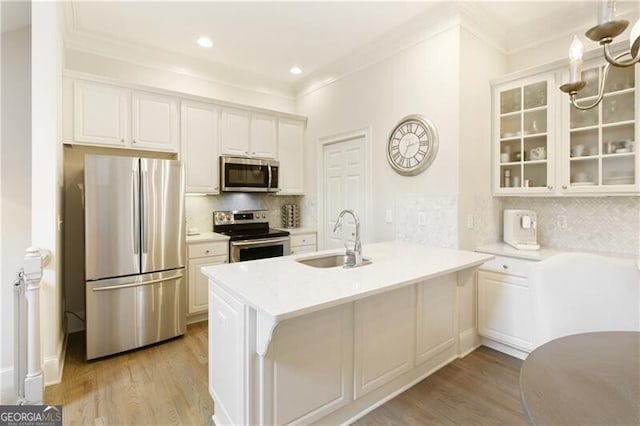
x,y
238,174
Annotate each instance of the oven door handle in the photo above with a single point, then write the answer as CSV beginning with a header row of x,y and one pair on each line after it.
x,y
259,243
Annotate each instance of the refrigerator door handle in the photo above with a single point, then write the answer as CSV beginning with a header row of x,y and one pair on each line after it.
x,y
116,287
136,211
143,213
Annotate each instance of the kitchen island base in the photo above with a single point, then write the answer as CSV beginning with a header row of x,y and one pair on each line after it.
x,y
336,364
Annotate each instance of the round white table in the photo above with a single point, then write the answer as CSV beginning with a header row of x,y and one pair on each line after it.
x,y
591,378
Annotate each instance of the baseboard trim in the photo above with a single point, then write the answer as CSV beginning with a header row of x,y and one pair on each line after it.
x,y
54,366
517,353
203,316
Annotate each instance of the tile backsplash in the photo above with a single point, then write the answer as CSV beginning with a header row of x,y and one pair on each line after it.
x,y
440,227
602,224
199,209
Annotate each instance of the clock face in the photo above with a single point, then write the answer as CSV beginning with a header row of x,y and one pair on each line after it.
x,y
412,145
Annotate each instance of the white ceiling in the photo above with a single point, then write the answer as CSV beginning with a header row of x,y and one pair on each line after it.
x,y
268,38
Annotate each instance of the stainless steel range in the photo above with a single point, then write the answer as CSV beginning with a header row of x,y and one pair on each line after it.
x,y
249,234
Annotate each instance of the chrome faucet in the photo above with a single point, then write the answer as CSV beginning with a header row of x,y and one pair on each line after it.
x,y
354,256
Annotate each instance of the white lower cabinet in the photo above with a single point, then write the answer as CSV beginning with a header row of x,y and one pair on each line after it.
x,y
303,243
504,304
200,255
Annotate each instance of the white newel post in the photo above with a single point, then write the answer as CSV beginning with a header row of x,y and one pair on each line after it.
x,y
34,380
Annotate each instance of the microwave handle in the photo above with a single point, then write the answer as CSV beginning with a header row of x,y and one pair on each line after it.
x,y
270,178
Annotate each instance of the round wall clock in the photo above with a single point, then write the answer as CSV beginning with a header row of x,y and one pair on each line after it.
x,y
412,145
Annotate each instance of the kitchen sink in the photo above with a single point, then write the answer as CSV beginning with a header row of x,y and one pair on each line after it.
x,y
331,261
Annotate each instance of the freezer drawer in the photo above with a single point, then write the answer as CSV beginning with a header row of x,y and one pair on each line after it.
x,y
127,313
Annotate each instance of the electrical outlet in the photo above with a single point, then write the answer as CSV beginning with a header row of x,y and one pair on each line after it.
x,y
562,221
422,218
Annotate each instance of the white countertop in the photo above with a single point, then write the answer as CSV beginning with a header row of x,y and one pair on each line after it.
x,y
296,231
504,249
206,237
282,288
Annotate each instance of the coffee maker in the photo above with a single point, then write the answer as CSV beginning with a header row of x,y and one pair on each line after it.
x,y
520,229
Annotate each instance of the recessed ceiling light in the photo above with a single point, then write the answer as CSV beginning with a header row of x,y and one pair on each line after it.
x,y
205,42
295,70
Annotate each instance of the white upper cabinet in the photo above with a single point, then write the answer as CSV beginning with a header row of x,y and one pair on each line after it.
x,y
199,146
155,122
111,116
600,149
247,134
291,156
542,145
524,136
264,136
101,114
236,130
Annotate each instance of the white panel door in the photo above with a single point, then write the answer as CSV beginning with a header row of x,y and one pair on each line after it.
x,y
344,188
264,136
155,122
291,156
435,317
200,148
101,114
383,338
235,132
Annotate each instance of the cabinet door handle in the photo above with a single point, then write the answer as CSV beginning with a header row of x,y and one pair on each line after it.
x,y
122,140
206,251
549,186
133,141
564,186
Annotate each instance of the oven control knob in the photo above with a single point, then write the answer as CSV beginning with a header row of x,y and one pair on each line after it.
x,y
264,215
228,218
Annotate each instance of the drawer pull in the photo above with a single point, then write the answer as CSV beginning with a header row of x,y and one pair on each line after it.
x,y
206,251
505,267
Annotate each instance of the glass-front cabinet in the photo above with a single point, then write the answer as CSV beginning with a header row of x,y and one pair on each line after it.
x,y
600,148
542,145
523,128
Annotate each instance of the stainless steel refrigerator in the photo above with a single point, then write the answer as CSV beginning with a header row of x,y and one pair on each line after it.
x,y
134,252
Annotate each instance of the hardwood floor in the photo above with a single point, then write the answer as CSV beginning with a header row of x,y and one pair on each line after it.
x,y
162,384
481,388
167,384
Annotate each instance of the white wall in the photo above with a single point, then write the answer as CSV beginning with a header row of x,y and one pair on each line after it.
x,y
480,61
47,179
421,79
15,184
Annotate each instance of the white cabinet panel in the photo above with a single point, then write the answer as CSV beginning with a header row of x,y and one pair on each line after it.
x,y
435,327
264,137
384,338
312,369
101,114
303,243
201,255
228,353
235,132
504,309
199,146
198,283
155,122
291,156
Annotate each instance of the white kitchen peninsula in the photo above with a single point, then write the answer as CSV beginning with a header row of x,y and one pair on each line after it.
x,y
290,343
